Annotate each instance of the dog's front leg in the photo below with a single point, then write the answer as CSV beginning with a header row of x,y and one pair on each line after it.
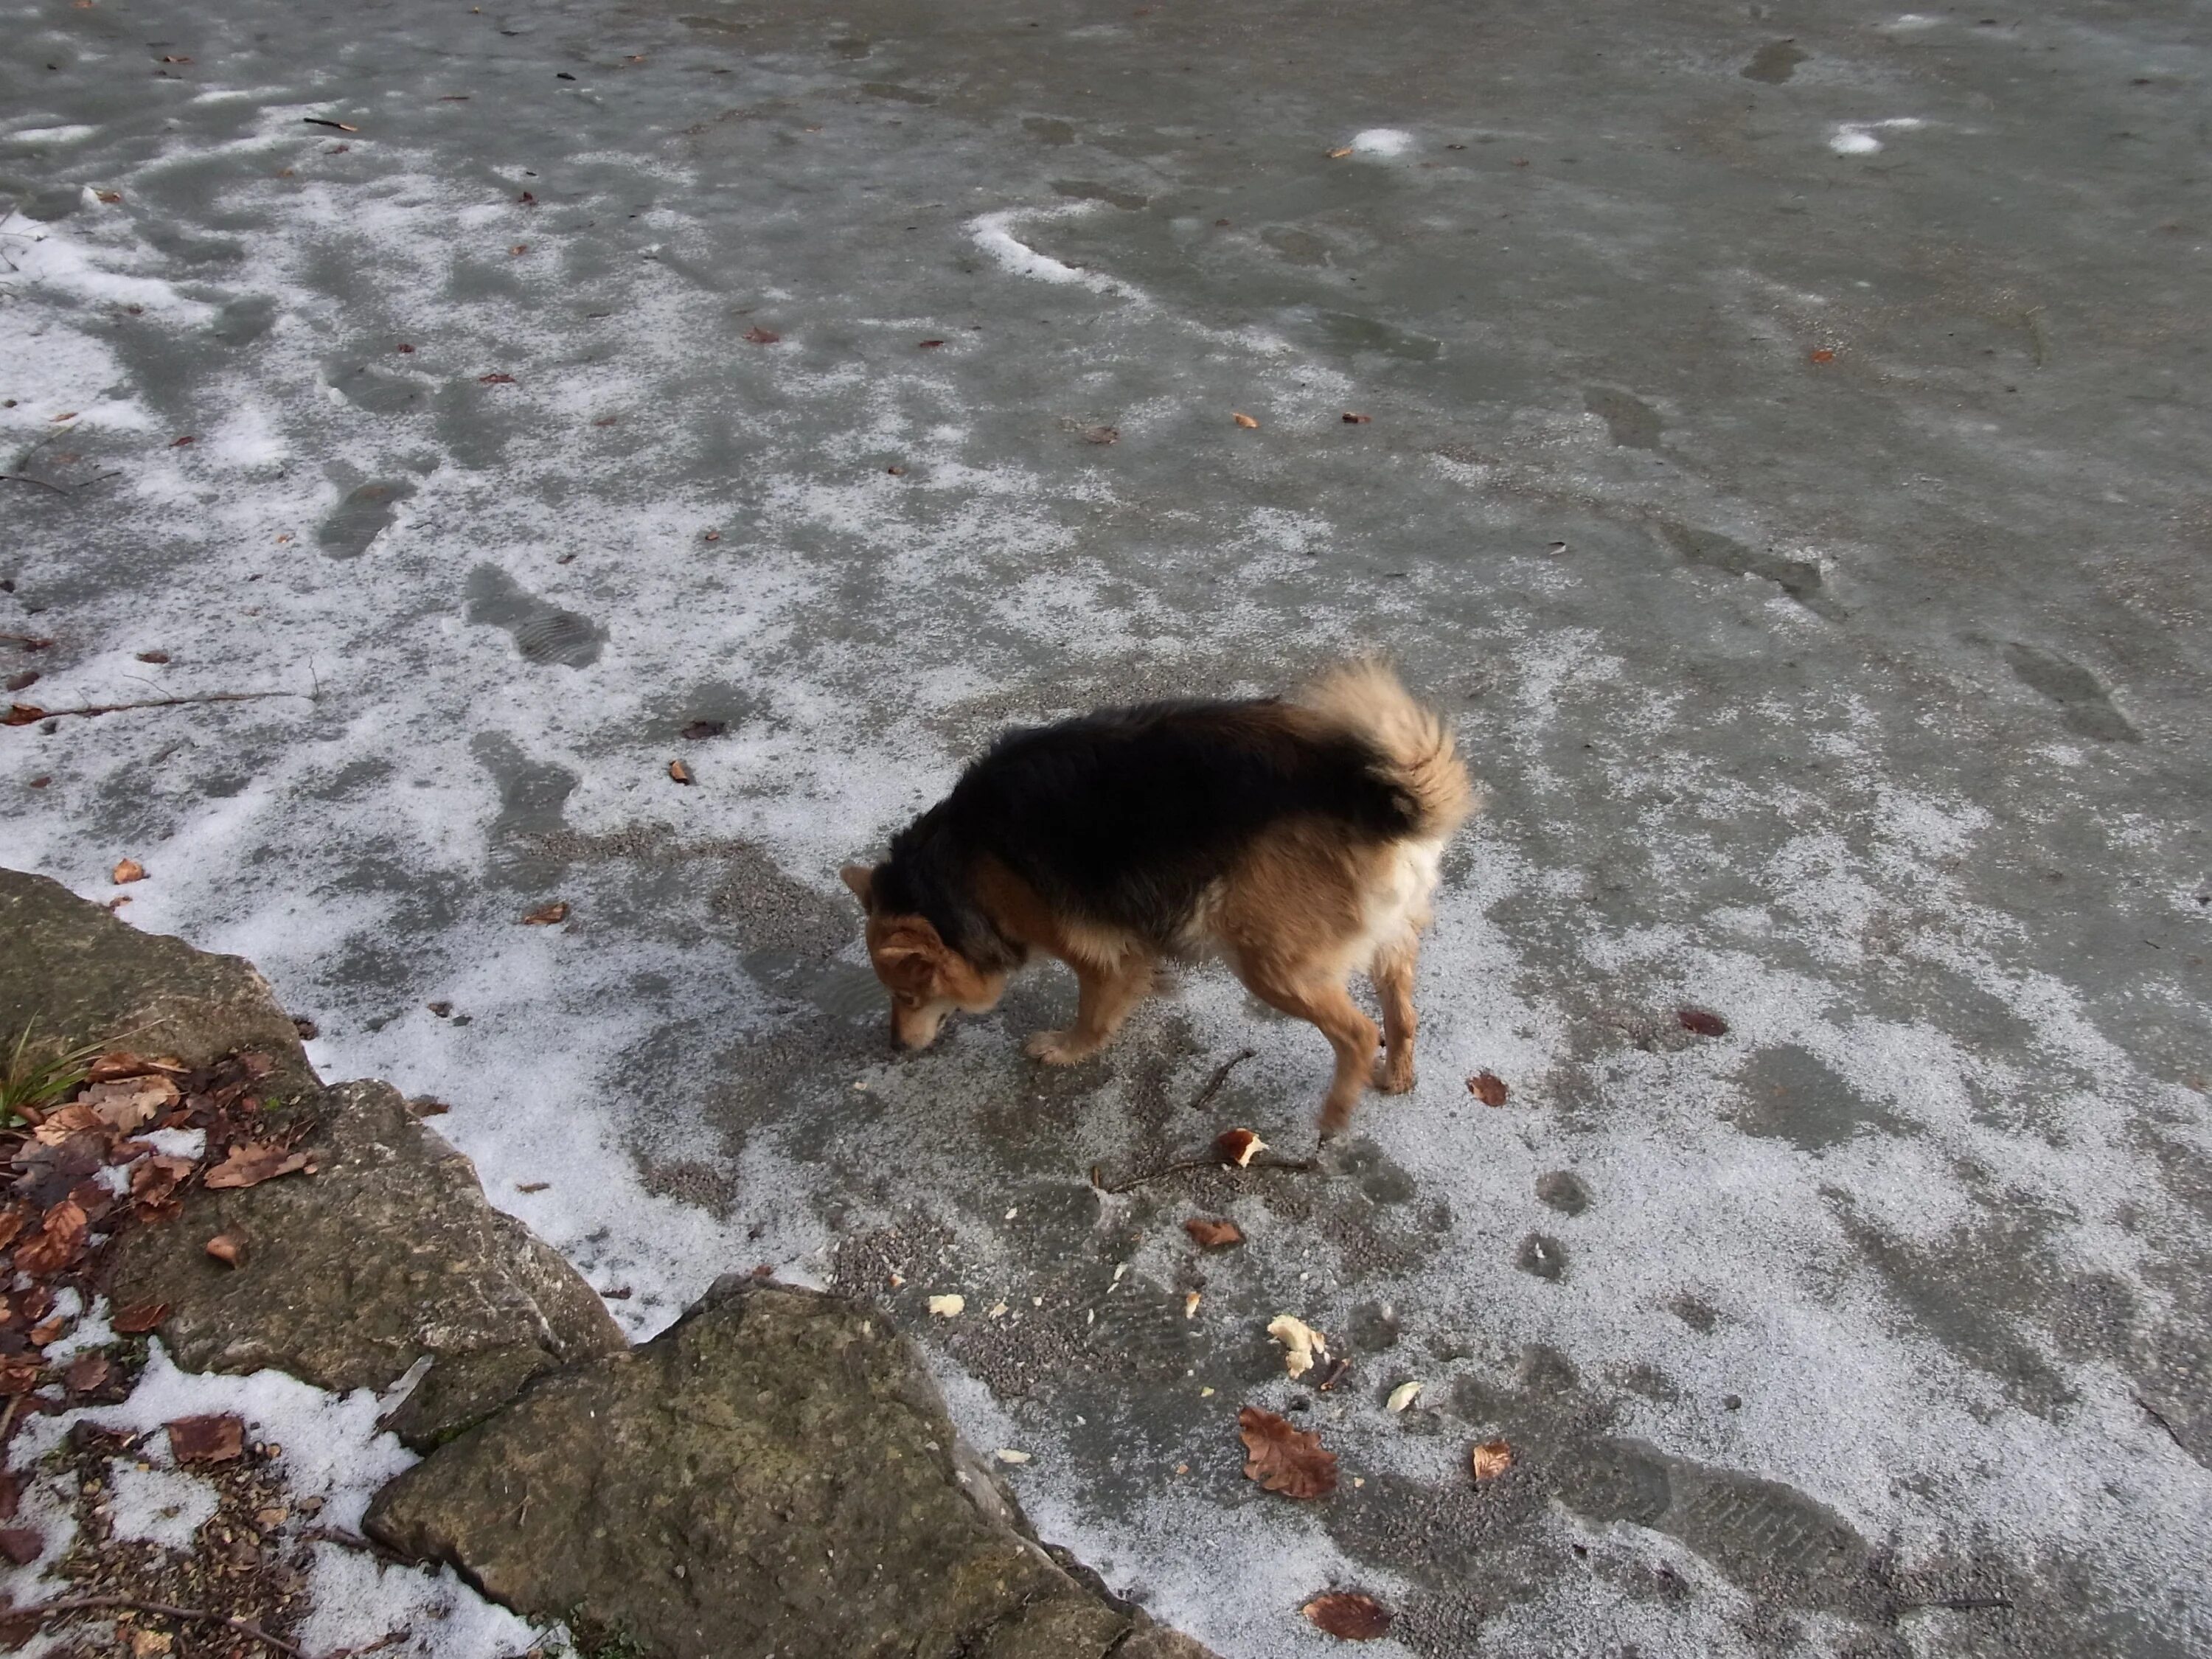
x,y
1104,997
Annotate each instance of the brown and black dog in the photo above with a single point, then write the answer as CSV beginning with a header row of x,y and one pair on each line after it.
x,y
1298,840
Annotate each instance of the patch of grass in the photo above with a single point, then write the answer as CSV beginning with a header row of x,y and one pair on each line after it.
x,y
589,1639
39,1076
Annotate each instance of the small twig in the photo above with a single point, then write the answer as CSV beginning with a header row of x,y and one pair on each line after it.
x,y
2159,1417
28,642
43,1611
169,702
60,488
1297,1165
1956,1604
1221,1076
354,1540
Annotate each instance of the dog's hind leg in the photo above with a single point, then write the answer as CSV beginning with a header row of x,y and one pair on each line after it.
x,y
1104,997
1329,1008
1392,973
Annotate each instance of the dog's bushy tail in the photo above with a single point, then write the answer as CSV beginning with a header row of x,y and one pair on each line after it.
x,y
1420,757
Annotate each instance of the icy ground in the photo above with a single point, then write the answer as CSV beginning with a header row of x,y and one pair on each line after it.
x,y
1785,460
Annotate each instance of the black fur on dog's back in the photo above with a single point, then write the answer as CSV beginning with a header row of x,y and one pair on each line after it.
x,y
1124,817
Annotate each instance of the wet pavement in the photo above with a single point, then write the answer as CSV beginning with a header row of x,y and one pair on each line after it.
x,y
1784,454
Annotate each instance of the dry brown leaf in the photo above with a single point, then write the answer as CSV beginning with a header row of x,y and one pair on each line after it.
x,y
128,1103
759,335
152,1180
127,870
58,1241
1211,1235
495,378
1239,1146
137,1321
1285,1459
679,771
546,914
207,1439
1350,419
1102,434
72,1120
120,1063
1348,1615
19,1373
1488,1088
253,1162
11,1223
21,1546
22,713
1339,152
226,1249
1703,1023
1491,1459
1245,420
88,1371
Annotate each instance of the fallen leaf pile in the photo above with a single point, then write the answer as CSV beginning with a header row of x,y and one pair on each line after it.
x,y
77,1174
1283,1458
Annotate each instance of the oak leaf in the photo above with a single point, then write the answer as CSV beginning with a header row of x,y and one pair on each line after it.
x,y
1348,1615
1209,1234
1285,1459
253,1162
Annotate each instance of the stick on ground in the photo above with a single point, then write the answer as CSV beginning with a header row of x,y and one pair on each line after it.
x,y
90,709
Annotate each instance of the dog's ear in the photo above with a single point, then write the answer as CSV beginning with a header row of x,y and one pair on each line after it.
x,y
862,881
909,958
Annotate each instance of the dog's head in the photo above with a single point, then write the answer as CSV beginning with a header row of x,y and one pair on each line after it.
x,y
926,977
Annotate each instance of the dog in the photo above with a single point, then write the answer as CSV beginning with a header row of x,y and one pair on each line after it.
x,y
1297,839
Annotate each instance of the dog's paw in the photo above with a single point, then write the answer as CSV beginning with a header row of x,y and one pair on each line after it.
x,y
1058,1048
1393,1079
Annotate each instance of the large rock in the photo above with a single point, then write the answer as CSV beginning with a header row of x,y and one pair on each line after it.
x,y
389,1252
776,1474
76,973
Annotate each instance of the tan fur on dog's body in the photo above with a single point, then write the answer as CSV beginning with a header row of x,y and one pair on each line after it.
x,y
1302,908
